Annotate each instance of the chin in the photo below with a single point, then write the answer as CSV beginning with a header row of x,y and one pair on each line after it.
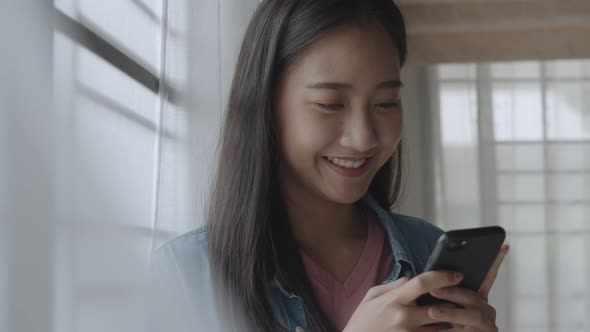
x,y
346,198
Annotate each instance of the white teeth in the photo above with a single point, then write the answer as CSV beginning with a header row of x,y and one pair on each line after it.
x,y
346,163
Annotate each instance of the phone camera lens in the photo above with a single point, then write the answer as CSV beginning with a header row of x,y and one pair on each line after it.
x,y
457,245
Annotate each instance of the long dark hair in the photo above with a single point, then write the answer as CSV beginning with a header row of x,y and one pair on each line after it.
x,y
249,241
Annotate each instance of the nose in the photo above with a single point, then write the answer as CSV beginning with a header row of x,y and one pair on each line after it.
x,y
359,132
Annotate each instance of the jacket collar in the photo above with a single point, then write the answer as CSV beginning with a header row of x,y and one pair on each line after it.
x,y
398,244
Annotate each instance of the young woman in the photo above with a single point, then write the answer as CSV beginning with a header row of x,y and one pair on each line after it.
x,y
299,235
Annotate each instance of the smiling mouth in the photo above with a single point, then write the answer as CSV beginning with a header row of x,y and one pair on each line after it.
x,y
348,163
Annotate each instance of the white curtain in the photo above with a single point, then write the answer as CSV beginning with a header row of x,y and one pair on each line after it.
x,y
27,129
203,41
139,87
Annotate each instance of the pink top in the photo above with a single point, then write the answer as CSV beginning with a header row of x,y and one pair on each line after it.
x,y
339,300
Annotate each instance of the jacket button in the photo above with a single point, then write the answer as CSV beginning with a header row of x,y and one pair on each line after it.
x,y
299,329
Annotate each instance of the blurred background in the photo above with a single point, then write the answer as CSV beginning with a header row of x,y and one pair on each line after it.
x,y
110,111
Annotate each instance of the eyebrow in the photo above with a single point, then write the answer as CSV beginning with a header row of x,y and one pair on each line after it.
x,y
391,84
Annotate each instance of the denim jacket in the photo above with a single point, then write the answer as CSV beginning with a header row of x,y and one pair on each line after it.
x,y
185,293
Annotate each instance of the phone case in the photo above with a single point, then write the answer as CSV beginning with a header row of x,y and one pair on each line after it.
x,y
469,251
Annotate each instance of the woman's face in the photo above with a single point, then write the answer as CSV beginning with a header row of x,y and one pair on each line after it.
x,y
339,115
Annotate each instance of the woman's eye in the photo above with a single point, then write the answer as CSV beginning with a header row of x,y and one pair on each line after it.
x,y
331,107
388,105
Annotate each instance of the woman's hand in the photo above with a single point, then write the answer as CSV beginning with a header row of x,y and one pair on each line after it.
x,y
476,315
391,307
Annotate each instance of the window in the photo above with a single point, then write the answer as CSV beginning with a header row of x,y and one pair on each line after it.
x,y
514,150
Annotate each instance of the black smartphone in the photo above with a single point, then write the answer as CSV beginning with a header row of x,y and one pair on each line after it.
x,y
469,251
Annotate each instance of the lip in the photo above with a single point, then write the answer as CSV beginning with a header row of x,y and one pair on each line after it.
x,y
349,158
350,172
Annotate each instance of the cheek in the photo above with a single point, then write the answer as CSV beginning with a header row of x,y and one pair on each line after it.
x,y
303,136
390,136
390,133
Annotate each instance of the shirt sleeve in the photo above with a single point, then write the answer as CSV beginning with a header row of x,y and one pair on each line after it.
x,y
182,294
168,309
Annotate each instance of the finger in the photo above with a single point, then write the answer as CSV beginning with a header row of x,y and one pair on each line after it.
x,y
459,295
425,283
471,317
379,290
412,316
466,298
490,278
